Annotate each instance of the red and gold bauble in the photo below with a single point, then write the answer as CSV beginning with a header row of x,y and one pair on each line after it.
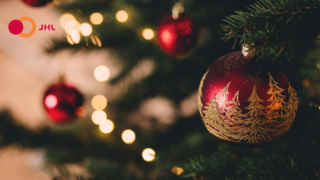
x,y
38,3
63,103
247,103
177,36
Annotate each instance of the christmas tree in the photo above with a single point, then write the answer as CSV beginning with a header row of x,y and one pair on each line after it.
x,y
139,118
255,109
276,99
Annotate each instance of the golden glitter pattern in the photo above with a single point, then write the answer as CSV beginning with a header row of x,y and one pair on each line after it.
x,y
200,94
260,124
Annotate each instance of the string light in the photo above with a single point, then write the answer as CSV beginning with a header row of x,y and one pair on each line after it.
x,y
96,18
148,154
98,116
96,40
72,25
75,36
101,73
128,136
70,40
93,41
106,126
148,34
122,16
65,18
85,29
177,170
99,102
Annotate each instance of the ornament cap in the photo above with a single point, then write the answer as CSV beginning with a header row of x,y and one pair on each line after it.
x,y
177,9
246,50
61,79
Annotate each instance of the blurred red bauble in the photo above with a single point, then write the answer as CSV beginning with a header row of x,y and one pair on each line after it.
x,y
177,36
247,103
63,102
37,3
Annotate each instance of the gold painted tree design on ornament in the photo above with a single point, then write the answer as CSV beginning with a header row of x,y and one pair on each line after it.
x,y
260,124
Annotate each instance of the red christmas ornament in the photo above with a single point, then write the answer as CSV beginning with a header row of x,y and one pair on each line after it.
x,y
177,36
63,102
247,103
37,3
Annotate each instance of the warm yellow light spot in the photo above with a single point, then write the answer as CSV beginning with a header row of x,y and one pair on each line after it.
x,y
80,111
98,116
128,136
85,29
69,39
96,18
148,34
65,18
177,170
122,16
148,154
72,25
99,102
75,36
56,2
101,73
106,126
96,40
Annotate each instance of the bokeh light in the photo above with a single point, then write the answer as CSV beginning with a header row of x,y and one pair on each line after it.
x,y
148,34
96,18
75,36
69,39
148,154
72,25
128,136
101,73
96,40
122,16
98,116
99,102
80,111
106,126
65,18
51,101
177,170
85,29
93,41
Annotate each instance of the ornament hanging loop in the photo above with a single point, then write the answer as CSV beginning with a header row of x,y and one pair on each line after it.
x,y
177,9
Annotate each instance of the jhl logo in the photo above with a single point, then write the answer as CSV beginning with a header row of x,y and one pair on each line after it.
x,y
16,27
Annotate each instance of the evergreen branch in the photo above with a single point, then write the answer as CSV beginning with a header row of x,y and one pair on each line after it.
x,y
224,167
276,26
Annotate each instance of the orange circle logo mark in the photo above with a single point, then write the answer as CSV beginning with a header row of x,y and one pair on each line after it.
x,y
16,27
